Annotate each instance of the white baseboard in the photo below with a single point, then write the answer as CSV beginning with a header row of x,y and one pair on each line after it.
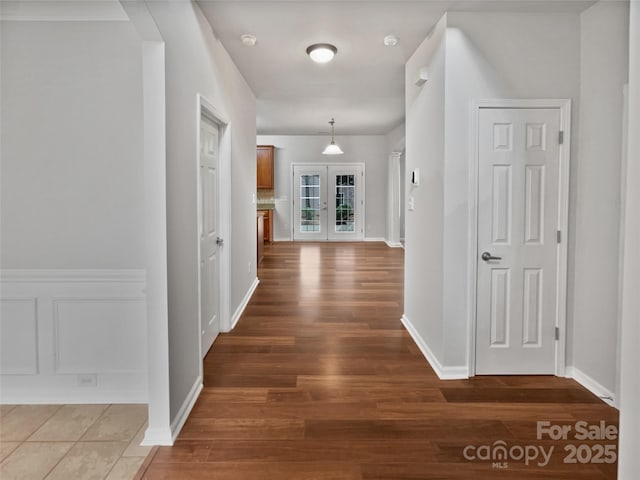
x,y
443,372
374,239
245,301
54,327
393,244
590,384
157,436
185,409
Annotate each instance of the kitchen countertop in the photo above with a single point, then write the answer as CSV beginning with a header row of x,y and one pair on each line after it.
x,y
266,206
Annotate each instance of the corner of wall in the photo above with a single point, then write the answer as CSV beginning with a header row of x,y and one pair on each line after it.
x,y
443,372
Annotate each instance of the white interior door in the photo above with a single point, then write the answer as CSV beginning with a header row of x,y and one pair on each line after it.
x,y
518,199
210,241
328,202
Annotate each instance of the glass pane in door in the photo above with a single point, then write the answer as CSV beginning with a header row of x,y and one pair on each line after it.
x,y
309,203
345,203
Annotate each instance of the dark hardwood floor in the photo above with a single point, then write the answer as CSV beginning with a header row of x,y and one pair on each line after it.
x,y
319,380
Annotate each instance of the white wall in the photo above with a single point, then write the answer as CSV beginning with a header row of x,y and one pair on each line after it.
x,y
72,173
492,55
486,55
424,227
593,305
370,150
396,138
72,199
196,63
629,460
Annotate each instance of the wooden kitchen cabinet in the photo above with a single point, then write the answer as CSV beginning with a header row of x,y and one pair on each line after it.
x,y
264,166
268,225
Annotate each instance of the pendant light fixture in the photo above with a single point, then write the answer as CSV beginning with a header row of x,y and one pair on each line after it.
x,y
332,148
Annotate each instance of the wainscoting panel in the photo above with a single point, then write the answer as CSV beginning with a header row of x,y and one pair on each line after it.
x,y
94,335
18,336
73,336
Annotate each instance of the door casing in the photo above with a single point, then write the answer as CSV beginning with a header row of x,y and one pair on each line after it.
x,y
564,108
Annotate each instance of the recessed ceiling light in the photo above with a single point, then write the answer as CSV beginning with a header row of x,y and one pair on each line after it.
x,y
248,40
321,52
390,40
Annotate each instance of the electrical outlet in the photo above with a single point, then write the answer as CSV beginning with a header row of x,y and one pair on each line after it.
x,y
249,266
88,380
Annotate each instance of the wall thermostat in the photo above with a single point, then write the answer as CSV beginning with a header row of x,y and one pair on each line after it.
x,y
415,177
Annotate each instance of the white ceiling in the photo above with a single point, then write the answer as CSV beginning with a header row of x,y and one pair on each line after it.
x,y
363,87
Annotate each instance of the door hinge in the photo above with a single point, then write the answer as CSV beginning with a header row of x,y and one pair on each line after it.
x,y
558,236
561,137
557,333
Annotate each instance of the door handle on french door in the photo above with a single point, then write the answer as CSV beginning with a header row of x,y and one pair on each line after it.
x,y
219,241
486,256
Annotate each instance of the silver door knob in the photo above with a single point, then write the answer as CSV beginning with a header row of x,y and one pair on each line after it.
x,y
219,241
486,256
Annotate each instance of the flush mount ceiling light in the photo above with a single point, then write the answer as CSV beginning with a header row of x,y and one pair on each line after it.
x,y
321,52
332,148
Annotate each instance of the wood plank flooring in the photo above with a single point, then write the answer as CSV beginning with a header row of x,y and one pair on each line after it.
x,y
319,380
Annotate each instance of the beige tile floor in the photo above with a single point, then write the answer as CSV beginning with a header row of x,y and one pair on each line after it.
x,y
80,442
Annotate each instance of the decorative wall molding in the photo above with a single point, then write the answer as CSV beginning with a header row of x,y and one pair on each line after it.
x,y
443,372
19,336
96,320
72,276
73,336
245,301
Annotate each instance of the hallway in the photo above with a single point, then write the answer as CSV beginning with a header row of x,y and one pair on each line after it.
x,y
319,380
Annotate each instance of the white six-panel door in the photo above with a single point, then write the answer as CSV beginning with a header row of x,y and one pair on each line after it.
x,y
328,202
518,186
209,234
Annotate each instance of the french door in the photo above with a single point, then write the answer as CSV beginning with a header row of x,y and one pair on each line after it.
x,y
328,202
